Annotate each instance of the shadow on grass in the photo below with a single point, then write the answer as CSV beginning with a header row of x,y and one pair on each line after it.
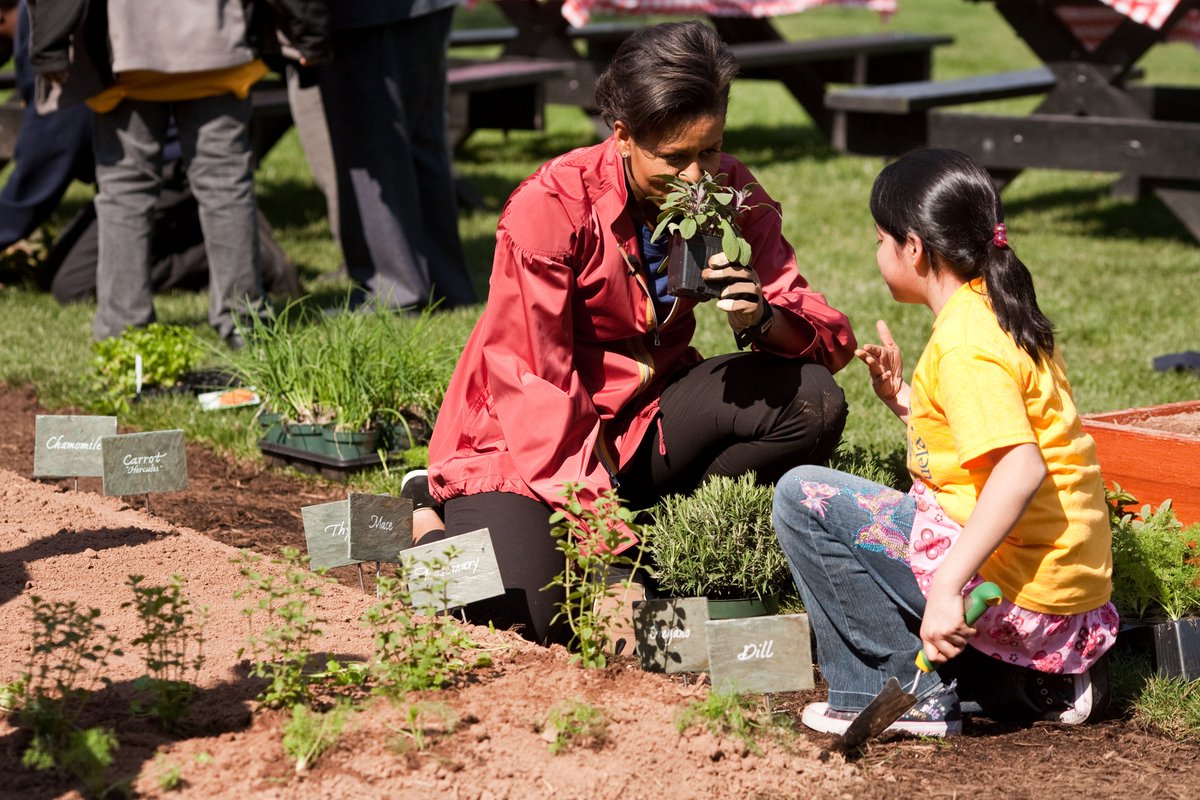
x,y
1097,213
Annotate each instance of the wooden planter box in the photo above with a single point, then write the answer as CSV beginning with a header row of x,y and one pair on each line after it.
x,y
1153,465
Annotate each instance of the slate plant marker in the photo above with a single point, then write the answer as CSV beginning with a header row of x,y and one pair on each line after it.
x,y
471,575
760,654
671,634
68,445
380,527
141,463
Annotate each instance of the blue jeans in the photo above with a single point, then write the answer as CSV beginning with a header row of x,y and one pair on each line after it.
x,y
846,539
128,144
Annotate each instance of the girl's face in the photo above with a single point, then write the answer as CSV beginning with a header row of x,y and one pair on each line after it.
x,y
898,265
694,147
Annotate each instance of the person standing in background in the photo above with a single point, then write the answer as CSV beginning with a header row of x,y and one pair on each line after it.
x,y
385,103
190,60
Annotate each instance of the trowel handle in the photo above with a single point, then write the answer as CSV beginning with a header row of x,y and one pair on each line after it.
x,y
981,598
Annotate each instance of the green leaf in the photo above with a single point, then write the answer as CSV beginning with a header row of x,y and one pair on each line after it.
x,y
729,243
687,228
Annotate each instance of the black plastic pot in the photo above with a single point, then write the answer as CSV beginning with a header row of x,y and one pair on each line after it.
x,y
685,260
1173,645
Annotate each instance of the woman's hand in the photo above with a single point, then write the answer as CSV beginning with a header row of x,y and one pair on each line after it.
x,y
944,632
741,296
885,363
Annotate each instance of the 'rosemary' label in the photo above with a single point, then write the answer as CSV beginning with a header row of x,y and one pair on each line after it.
x,y
453,572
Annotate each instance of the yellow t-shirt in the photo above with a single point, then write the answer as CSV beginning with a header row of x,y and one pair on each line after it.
x,y
164,87
974,391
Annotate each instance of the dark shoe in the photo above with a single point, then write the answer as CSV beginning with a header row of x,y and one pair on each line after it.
x,y
1069,699
936,715
415,487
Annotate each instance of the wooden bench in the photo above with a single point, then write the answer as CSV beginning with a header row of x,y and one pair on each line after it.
x,y
892,119
601,32
807,66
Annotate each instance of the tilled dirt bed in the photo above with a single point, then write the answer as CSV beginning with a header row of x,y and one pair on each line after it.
x,y
62,544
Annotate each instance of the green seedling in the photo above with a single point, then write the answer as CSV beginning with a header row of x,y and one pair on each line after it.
x,y
310,733
575,724
590,539
172,643
280,651
729,715
424,719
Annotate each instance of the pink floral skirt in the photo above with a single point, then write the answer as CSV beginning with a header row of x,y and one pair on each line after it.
x,y
1046,642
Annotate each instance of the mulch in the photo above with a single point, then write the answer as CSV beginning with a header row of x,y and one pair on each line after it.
x,y
245,504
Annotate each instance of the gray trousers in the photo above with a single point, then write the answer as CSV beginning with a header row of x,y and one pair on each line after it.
x,y
385,103
128,144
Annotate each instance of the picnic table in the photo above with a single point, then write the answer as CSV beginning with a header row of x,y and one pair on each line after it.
x,y
1095,116
560,29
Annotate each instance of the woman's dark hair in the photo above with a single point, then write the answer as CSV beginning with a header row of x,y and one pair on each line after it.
x,y
665,75
948,201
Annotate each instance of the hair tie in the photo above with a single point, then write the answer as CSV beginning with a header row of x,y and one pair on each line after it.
x,y
1000,235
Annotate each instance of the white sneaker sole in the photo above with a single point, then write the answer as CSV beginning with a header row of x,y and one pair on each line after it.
x,y
816,718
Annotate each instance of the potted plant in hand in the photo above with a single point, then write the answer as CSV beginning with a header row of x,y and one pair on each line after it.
x,y
1156,584
702,218
719,543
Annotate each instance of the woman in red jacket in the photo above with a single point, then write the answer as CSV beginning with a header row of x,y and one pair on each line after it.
x,y
581,370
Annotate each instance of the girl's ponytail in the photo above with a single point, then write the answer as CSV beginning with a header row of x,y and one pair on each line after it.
x,y
949,202
1014,300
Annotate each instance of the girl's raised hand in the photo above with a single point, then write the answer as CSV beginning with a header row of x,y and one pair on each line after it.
x,y
885,363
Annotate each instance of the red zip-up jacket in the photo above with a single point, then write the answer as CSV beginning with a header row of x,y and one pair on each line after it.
x,y
561,377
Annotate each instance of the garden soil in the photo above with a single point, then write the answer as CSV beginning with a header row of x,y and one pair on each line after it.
x,y
484,738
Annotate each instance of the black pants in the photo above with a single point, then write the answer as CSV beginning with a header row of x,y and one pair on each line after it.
x,y
724,416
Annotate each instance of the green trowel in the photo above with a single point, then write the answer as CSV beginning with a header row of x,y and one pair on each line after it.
x,y
892,702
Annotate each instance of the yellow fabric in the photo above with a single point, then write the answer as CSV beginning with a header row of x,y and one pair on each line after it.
x,y
974,391
164,87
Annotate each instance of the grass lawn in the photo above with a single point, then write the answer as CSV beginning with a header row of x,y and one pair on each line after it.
x,y
1118,277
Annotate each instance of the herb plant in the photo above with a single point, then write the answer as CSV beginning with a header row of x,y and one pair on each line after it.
x,y
726,714
353,369
280,651
590,539
167,351
717,542
172,643
416,650
421,719
1156,561
706,207
574,723
309,733
68,656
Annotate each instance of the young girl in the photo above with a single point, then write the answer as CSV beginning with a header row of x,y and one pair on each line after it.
x,y
1006,487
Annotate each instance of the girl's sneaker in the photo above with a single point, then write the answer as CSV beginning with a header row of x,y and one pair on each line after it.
x,y
936,715
1069,699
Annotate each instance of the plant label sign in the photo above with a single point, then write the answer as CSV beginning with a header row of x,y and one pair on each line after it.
x,y
327,533
68,446
454,571
671,636
380,527
760,654
141,463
